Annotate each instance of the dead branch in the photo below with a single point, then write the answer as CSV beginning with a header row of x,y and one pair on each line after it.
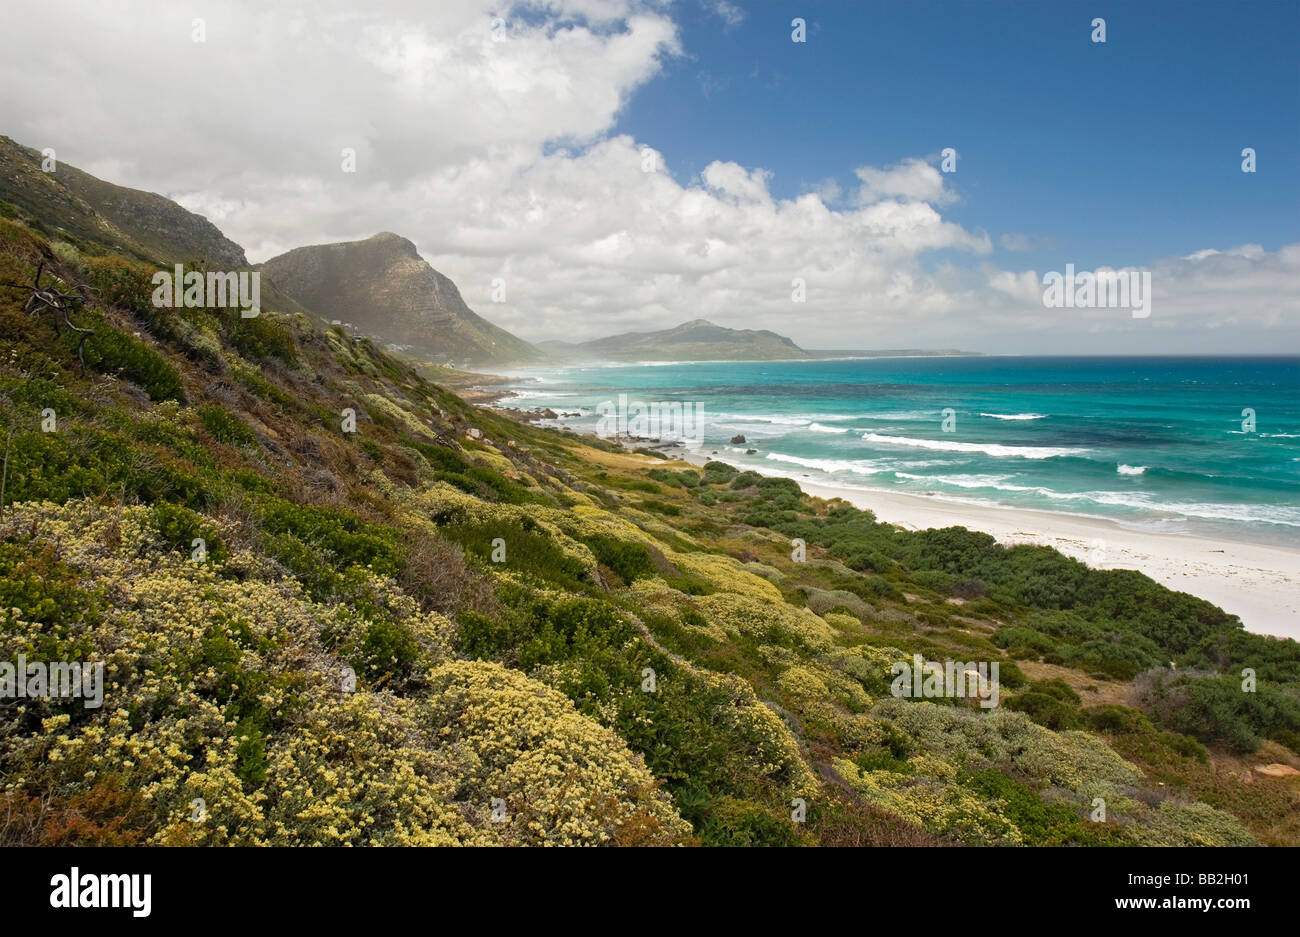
x,y
43,298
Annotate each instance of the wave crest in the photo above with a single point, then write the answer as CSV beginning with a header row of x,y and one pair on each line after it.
x,y
997,450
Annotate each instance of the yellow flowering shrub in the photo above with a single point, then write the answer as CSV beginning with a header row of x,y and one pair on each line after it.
x,y
451,505
766,620
841,621
387,406
868,663
933,804
802,683
563,778
231,721
772,748
726,573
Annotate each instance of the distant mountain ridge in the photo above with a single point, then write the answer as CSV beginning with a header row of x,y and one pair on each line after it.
x,y
380,284
386,289
697,340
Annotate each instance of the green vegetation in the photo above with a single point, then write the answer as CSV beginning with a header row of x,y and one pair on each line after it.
x,y
367,637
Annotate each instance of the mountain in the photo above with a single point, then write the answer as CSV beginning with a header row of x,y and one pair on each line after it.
x,y
68,201
384,288
380,285
697,340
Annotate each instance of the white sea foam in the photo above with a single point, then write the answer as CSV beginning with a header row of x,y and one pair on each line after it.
x,y
1015,416
856,466
1131,469
785,419
1139,501
994,449
539,394
965,481
1251,513
820,428
755,419
903,415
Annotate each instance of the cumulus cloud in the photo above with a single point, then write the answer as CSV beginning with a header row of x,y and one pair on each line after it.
x,y
488,141
1213,301
912,179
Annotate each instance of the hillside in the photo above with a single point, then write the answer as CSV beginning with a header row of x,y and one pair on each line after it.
x,y
138,223
336,603
386,290
697,340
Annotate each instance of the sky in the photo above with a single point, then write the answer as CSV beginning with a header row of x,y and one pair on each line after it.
x,y
586,167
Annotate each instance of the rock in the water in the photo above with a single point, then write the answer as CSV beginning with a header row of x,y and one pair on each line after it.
x,y
737,439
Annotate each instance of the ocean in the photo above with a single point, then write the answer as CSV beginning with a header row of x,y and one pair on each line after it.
x,y
1195,445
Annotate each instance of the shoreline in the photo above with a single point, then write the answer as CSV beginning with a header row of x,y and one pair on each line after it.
x,y
1259,584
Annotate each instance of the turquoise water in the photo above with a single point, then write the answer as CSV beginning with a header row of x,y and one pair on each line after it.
x,y
1153,443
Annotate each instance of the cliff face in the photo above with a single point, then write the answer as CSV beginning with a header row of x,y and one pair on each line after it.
x,y
386,290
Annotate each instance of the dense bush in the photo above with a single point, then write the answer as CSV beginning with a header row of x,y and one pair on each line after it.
x,y
262,336
683,479
1117,720
1218,710
718,473
529,551
1046,710
629,559
318,544
179,527
112,351
1039,823
118,282
225,427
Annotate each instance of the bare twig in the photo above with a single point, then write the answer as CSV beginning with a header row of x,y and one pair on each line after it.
x,y
42,298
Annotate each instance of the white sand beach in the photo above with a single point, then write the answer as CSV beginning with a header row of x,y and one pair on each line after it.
x,y
1259,584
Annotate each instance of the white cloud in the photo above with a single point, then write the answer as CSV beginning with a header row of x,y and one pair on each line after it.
x,y
912,179
730,14
496,158
731,179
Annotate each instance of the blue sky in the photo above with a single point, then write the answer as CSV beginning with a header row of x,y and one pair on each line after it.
x,y
1100,153
507,140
